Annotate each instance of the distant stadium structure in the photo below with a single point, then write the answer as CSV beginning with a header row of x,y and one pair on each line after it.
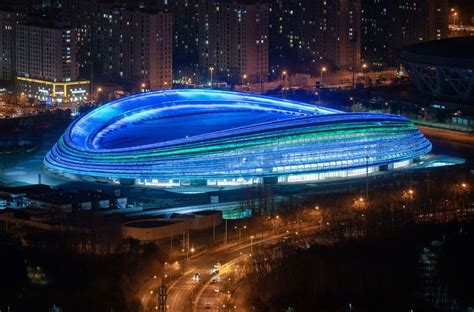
x,y
202,138
442,68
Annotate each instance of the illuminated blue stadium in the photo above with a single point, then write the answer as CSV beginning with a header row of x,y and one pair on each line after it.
x,y
193,137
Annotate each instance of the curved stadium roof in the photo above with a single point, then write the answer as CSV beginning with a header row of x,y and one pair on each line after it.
x,y
442,68
456,52
181,136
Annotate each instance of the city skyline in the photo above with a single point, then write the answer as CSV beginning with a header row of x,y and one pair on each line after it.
x,y
237,155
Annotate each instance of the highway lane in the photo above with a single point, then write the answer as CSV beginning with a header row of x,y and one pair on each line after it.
x,y
182,292
229,256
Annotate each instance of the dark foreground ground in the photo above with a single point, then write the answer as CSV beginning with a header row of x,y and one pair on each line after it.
x,y
422,268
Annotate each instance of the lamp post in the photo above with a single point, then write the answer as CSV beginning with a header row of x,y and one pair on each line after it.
x,y
251,245
412,193
323,70
240,231
273,223
211,69
244,76
283,80
99,90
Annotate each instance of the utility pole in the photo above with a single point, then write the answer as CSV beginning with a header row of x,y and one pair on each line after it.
x,y
225,234
213,228
171,242
187,245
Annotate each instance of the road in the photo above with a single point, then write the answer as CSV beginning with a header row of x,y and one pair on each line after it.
x,y
185,295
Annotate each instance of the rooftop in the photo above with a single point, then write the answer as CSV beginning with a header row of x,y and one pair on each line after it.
x,y
27,189
149,223
457,52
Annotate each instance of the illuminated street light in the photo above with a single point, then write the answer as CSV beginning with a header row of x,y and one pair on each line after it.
x,y
240,231
244,76
323,70
364,66
211,69
283,79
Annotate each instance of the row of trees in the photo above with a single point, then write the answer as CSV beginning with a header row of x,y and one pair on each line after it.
x,y
373,245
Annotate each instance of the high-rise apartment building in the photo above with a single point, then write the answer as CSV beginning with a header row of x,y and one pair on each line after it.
x,y
315,33
135,47
186,21
389,25
414,20
46,64
284,35
8,23
233,40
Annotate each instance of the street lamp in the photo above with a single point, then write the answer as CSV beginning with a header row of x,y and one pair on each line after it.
x,y
455,15
240,231
283,79
211,69
244,76
364,66
99,90
323,70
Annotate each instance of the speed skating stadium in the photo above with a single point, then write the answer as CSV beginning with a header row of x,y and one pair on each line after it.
x,y
185,138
